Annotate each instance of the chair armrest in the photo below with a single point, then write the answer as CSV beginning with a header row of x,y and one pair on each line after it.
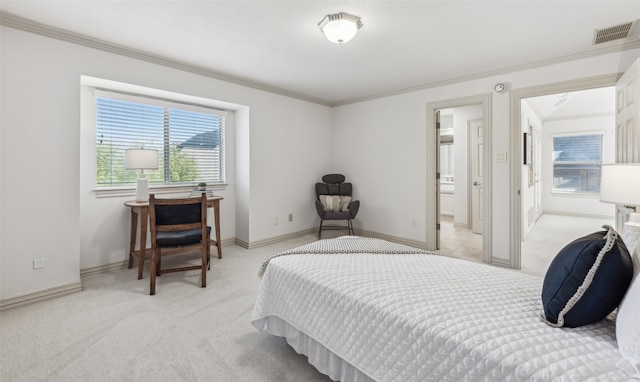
x,y
320,208
353,208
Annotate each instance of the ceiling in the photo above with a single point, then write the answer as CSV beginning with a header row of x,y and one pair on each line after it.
x,y
583,103
403,45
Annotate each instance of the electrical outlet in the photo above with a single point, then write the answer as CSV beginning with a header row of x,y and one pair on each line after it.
x,y
413,223
38,263
275,221
290,217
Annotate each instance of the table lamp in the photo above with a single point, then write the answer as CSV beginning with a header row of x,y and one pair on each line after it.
x,y
141,159
620,184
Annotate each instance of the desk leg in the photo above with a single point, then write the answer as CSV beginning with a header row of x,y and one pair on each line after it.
x,y
132,242
144,218
216,214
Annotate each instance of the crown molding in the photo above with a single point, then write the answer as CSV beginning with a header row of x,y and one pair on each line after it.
x,y
580,116
20,23
26,25
594,51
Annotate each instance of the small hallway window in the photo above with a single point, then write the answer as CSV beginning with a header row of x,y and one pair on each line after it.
x,y
577,163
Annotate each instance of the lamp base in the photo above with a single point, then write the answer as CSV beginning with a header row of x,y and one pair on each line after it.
x,y
142,190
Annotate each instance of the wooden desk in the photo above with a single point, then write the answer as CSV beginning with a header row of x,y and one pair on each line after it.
x,y
142,209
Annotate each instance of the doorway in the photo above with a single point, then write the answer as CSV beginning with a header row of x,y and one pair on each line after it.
x,y
566,138
452,206
519,176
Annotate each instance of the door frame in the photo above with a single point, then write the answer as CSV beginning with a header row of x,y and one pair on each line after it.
x,y
515,234
470,185
433,192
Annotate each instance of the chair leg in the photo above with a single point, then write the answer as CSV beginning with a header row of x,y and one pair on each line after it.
x,y
320,230
159,262
205,261
152,273
208,254
350,226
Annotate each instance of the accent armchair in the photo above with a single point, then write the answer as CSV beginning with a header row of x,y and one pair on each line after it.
x,y
334,202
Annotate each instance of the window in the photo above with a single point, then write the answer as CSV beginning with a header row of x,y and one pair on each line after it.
x,y
577,163
189,140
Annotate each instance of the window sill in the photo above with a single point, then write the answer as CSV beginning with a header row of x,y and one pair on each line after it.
x,y
569,194
113,192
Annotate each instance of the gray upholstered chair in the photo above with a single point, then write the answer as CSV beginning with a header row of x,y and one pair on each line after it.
x,y
334,202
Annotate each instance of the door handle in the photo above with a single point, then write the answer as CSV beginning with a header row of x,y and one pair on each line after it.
x,y
476,183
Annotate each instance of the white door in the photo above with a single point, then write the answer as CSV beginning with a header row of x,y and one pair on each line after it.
x,y
476,165
537,161
627,125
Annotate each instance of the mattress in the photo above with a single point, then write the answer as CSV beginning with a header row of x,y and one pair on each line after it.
x,y
420,317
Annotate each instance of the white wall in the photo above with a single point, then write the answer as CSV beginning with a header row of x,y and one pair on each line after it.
x,y
283,146
388,166
50,211
588,205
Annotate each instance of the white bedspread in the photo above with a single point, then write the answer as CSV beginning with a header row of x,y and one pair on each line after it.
x,y
419,317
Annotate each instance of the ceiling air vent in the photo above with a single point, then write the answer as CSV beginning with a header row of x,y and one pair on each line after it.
x,y
617,32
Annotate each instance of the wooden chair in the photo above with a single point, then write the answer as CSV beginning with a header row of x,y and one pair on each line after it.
x,y
178,223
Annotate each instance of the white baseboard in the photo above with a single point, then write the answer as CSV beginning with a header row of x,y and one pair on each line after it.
x,y
394,239
273,240
580,215
43,295
92,271
103,268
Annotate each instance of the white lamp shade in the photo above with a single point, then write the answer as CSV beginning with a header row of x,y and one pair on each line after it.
x,y
141,159
620,184
340,28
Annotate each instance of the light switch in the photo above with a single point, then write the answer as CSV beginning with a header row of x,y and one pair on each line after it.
x,y
501,157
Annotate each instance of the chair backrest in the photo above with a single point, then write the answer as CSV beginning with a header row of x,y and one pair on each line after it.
x,y
179,214
334,184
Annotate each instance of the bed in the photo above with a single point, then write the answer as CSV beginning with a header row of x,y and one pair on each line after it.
x,y
369,310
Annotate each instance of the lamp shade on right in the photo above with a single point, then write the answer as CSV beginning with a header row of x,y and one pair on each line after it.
x,y
620,184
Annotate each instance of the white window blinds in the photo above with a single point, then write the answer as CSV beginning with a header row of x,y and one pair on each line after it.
x,y
577,163
189,140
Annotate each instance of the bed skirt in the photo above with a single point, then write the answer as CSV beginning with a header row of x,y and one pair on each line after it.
x,y
319,356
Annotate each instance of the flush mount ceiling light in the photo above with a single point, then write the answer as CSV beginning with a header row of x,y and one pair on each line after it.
x,y
340,27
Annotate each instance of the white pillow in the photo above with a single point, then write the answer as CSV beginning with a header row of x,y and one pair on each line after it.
x,y
335,203
628,328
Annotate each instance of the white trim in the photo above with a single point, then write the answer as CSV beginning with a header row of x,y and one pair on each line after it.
x,y
581,116
153,97
110,192
517,96
275,239
432,193
580,215
578,133
30,26
42,295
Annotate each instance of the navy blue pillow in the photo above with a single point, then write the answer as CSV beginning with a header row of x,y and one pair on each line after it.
x,y
605,287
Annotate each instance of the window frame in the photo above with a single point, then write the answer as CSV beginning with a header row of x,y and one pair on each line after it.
x,y
165,187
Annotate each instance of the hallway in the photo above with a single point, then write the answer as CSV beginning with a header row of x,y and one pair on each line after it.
x,y
550,234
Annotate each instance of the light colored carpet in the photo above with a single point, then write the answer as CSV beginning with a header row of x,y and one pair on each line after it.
x,y
115,331
550,234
